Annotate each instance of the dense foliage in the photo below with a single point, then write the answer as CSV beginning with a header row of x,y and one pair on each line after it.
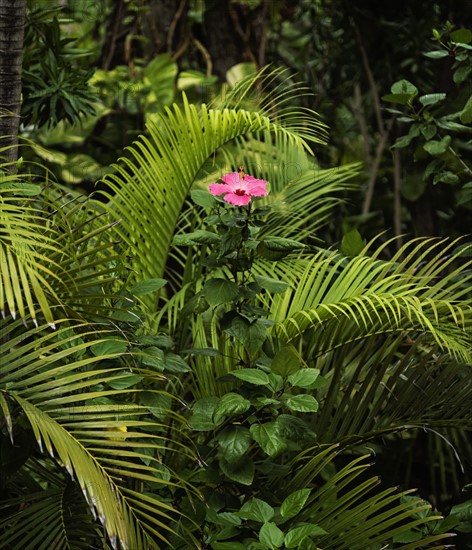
x,y
217,341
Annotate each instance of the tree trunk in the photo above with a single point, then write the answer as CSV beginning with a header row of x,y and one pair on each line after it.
x,y
12,24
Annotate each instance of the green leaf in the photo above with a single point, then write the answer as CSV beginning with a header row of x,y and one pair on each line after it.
x,y
402,142
305,378
203,413
402,99
174,364
446,177
220,291
271,535
276,248
466,113
295,536
153,357
268,437
463,512
300,403
251,334
109,347
428,131
294,503
253,376
241,471
228,546
352,243
200,236
436,54
286,361
257,510
203,198
272,285
404,87
234,442
126,381
462,35
232,404
462,74
432,99
437,147
147,287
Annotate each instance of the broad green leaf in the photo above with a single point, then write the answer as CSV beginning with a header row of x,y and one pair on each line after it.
x,y
257,510
126,381
294,429
276,248
223,518
462,35
304,378
402,141
294,503
404,87
402,99
174,364
276,382
286,361
241,471
269,438
147,287
203,414
200,236
220,291
352,243
463,512
161,73
109,347
250,334
434,147
271,535
300,403
253,376
272,285
295,536
462,74
234,442
232,404
203,198
446,177
428,131
432,99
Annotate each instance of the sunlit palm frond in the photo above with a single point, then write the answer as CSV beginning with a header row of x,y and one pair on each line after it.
x,y
340,300
27,245
149,189
107,448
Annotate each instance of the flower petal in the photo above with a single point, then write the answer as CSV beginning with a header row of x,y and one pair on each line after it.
x,y
232,180
255,187
237,200
219,188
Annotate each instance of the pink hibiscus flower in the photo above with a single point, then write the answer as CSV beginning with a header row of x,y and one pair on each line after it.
x,y
239,188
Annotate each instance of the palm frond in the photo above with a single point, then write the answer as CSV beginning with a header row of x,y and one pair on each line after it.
x,y
149,189
108,449
27,267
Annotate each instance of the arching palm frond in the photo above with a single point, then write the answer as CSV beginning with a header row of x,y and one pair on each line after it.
x,y
72,399
335,300
352,510
149,189
27,246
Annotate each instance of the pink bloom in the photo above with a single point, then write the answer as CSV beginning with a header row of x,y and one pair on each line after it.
x,y
239,188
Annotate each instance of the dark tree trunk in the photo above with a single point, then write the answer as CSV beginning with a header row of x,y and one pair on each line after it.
x,y
12,24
